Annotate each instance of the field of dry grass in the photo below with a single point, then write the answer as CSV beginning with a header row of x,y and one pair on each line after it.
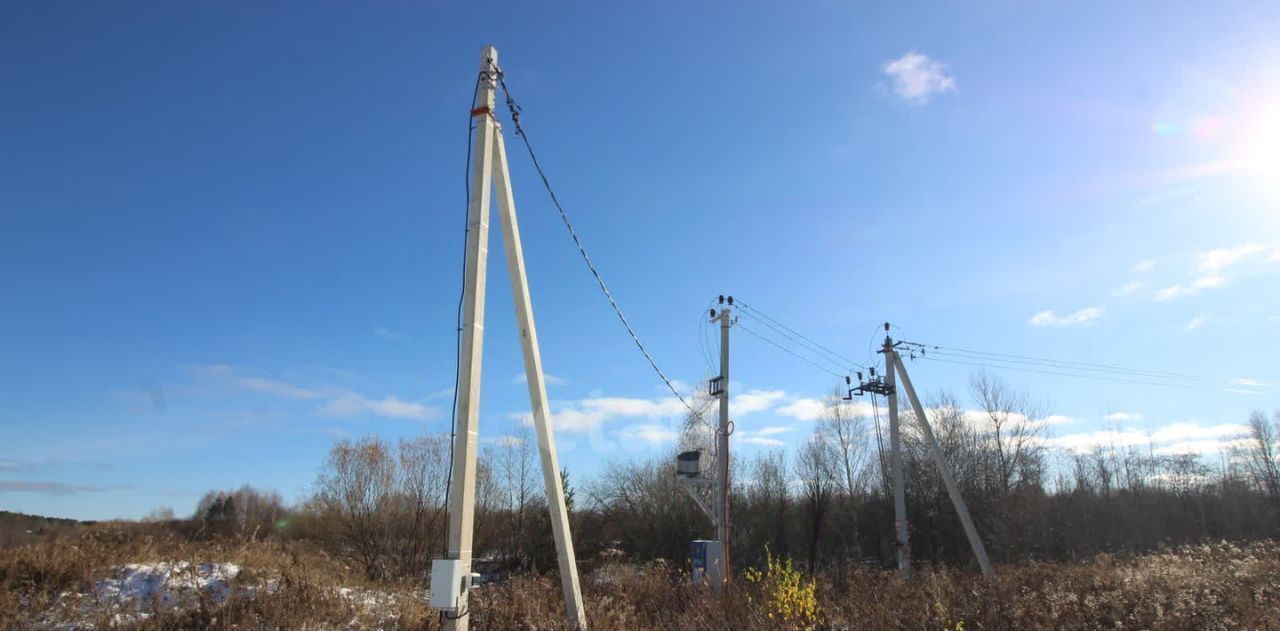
x,y
76,582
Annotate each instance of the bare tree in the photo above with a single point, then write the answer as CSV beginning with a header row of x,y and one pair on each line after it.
x,y
516,468
1014,423
1260,454
423,474
846,432
356,487
816,466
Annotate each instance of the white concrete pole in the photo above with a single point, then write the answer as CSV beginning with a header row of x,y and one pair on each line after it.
x,y
895,462
462,489
723,436
952,489
537,389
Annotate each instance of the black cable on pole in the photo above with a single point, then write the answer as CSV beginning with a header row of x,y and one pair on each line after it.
x,y
515,120
462,294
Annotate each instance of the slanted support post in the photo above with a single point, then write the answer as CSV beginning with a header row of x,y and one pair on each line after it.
x,y
940,462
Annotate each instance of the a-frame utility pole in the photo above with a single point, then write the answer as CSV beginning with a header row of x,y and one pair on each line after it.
x,y
489,169
894,369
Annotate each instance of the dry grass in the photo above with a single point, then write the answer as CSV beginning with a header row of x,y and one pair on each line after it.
x,y
284,584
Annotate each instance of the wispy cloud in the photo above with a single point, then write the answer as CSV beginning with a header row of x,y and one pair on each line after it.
x,y
917,79
585,415
352,405
755,401
812,409
55,488
552,380
763,437
1142,267
1213,269
648,433
1196,323
338,402
257,384
1172,438
1050,318
1123,417
1127,289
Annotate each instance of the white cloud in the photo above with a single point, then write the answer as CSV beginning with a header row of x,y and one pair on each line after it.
x,y
762,441
550,379
813,409
1275,256
1055,419
1213,269
587,414
1218,260
1126,289
754,401
1186,289
1196,323
257,384
1088,441
648,433
1172,438
772,430
1123,417
352,405
1248,382
1142,267
1049,318
917,79
1190,431
338,402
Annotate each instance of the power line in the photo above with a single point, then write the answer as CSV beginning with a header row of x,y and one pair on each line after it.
x,y
515,120
1057,363
792,353
1051,372
798,337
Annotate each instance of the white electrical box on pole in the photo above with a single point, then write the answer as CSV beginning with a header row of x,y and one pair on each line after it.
x,y
454,572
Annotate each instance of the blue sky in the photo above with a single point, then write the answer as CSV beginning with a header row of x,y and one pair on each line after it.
x,y
231,233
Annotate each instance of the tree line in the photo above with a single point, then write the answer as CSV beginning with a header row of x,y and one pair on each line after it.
x,y
827,503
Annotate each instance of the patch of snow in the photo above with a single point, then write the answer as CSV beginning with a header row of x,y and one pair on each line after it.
x,y
167,584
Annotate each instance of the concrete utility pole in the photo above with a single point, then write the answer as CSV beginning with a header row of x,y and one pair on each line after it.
x,y
723,437
903,545
940,462
453,574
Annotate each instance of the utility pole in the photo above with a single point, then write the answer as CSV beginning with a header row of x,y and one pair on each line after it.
x,y
888,386
723,435
451,578
903,545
